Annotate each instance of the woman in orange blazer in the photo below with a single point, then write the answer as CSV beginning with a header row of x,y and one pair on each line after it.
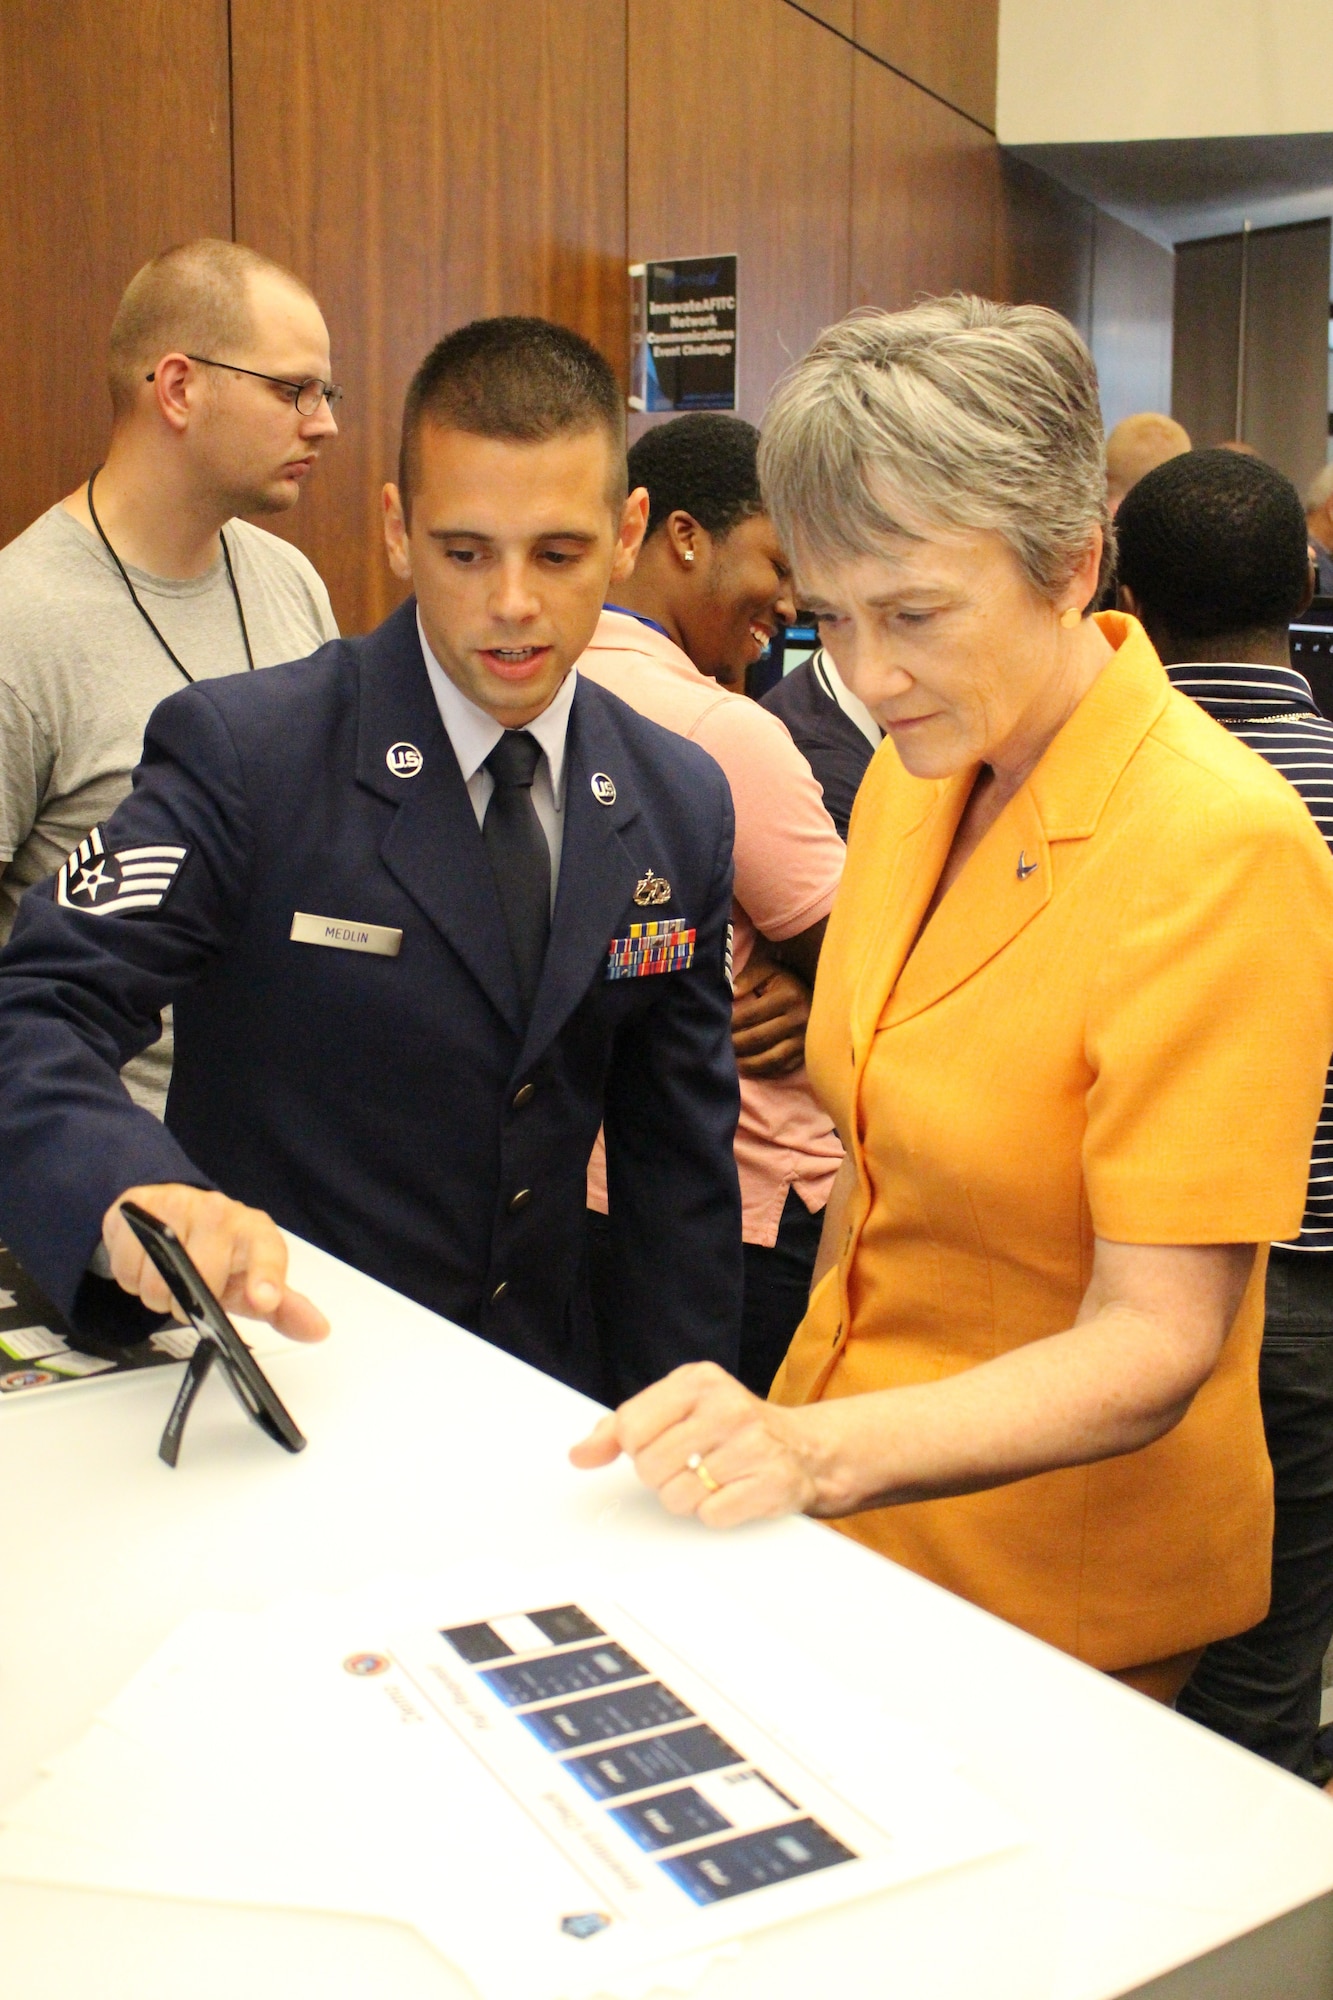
x,y
1073,1021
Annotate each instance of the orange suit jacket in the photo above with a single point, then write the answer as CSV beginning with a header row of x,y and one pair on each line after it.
x,y
1117,1023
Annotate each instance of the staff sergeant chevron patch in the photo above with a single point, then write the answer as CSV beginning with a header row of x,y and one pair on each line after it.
x,y
134,878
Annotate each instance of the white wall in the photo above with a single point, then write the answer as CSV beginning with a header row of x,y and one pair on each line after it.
x,y
1132,284
1082,70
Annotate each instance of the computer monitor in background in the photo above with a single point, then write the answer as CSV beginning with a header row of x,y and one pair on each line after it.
x,y
1312,651
791,648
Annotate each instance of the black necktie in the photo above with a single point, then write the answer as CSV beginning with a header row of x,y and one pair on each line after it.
x,y
520,858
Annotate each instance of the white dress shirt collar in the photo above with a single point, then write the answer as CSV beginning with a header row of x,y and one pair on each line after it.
x,y
851,704
474,734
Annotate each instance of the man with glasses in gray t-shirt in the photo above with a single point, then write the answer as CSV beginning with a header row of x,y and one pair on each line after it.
x,y
143,579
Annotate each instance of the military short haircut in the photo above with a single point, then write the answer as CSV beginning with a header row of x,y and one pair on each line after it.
x,y
1214,542
521,380
703,465
193,299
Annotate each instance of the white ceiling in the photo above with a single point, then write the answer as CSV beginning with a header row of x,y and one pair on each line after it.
x,y
1177,189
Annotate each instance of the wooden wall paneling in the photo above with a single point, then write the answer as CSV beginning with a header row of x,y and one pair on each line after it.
x,y
740,139
420,165
1206,338
948,46
925,194
1286,348
1044,243
114,144
1132,287
839,14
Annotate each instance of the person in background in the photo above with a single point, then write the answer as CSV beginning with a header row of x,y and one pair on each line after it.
x,y
709,590
1213,560
1074,1018
711,574
831,727
142,579
1319,528
1135,446
394,891
716,584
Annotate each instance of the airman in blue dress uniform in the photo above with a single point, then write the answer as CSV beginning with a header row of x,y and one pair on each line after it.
x,y
305,869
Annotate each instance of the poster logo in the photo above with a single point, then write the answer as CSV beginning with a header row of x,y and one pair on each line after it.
x,y
365,1665
585,1925
26,1378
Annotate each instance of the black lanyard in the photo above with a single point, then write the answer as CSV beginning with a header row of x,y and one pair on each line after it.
x,y
138,605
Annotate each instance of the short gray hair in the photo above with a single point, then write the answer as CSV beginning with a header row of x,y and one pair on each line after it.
x,y
959,414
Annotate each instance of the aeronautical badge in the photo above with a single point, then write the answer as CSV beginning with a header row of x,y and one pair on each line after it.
x,y
651,890
666,946
106,885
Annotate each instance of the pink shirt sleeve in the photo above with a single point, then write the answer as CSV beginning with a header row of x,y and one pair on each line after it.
x,y
788,853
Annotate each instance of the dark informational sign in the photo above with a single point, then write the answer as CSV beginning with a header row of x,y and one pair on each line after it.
x,y
683,320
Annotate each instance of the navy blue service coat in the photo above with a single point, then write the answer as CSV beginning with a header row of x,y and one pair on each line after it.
x,y
393,1110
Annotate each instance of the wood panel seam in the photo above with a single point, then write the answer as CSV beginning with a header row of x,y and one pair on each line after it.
x,y
893,68
231,122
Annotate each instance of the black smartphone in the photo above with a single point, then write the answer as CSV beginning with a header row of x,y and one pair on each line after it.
x,y
218,1341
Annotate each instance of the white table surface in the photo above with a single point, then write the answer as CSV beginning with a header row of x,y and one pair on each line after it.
x,y
1159,1843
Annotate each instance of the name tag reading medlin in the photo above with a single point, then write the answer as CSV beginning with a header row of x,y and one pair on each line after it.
x,y
345,934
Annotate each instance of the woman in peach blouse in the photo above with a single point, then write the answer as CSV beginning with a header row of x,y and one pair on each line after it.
x,y
1073,1021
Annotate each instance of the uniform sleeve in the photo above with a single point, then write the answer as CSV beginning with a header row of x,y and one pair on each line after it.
x,y
670,1112
83,982
26,760
1209,1031
788,854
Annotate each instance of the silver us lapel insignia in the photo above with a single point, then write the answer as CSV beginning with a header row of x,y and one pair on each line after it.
x,y
650,891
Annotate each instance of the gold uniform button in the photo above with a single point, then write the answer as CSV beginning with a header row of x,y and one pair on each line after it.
x,y
524,1095
520,1200
499,1291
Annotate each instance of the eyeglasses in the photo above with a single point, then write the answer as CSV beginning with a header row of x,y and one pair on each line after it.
x,y
307,395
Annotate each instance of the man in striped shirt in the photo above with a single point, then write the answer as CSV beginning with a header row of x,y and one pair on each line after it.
x,y
1214,561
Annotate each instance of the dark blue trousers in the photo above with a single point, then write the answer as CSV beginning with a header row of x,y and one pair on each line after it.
x,y
777,1287
1262,1689
777,1291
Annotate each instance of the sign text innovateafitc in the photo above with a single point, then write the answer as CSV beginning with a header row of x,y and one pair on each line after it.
x,y
683,334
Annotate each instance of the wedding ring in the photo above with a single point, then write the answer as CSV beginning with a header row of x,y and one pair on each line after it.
x,y
694,1463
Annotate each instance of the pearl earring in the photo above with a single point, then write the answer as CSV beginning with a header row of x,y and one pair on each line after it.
x,y
1072,617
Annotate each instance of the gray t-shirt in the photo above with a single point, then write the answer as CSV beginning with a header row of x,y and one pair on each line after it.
x,y
80,674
